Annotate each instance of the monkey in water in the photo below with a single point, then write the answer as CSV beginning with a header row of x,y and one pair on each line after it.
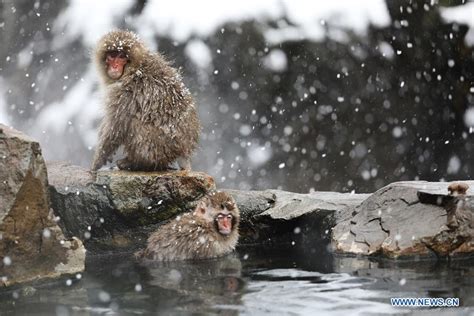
x,y
211,230
148,109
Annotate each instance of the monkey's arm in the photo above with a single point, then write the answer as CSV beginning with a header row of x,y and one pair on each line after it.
x,y
109,136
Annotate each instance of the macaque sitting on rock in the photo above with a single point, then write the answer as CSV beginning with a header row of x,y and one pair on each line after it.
x,y
211,230
148,109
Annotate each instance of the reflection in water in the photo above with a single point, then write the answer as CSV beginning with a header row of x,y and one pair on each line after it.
x,y
253,282
209,283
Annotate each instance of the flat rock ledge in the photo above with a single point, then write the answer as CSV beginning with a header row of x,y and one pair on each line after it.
x,y
32,245
415,218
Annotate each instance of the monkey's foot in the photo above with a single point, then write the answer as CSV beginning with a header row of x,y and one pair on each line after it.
x,y
184,163
124,164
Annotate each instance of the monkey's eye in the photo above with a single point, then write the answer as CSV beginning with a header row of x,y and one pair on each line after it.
x,y
116,54
222,216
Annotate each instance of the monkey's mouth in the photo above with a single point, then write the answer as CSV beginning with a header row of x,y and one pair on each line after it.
x,y
225,231
115,73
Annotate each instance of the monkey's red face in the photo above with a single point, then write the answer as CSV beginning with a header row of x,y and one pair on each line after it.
x,y
115,61
224,223
222,215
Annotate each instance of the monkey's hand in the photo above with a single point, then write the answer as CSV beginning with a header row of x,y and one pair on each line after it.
x,y
99,161
124,164
95,166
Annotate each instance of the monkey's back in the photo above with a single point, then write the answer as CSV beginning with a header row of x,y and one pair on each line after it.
x,y
186,238
161,120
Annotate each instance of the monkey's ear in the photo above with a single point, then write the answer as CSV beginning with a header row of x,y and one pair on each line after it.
x,y
230,205
201,207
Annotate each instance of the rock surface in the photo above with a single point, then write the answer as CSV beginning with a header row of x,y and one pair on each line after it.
x,y
120,209
150,197
286,217
409,218
32,245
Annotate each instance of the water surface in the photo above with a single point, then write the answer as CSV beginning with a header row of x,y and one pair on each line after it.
x,y
254,281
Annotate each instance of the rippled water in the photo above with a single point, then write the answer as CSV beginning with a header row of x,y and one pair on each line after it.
x,y
251,282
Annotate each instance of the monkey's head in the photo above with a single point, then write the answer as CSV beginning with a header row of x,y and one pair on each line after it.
x,y
219,209
118,53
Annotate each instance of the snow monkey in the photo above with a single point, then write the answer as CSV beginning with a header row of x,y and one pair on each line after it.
x,y
148,109
211,230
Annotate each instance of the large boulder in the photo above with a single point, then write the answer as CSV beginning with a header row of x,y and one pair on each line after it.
x,y
117,210
410,218
32,245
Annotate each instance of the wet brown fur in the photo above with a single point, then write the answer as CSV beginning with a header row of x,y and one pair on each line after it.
x,y
193,236
458,188
148,109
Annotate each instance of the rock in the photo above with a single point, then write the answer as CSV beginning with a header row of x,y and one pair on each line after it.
x,y
252,203
62,174
32,245
290,205
84,209
409,218
285,217
150,197
458,238
119,210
